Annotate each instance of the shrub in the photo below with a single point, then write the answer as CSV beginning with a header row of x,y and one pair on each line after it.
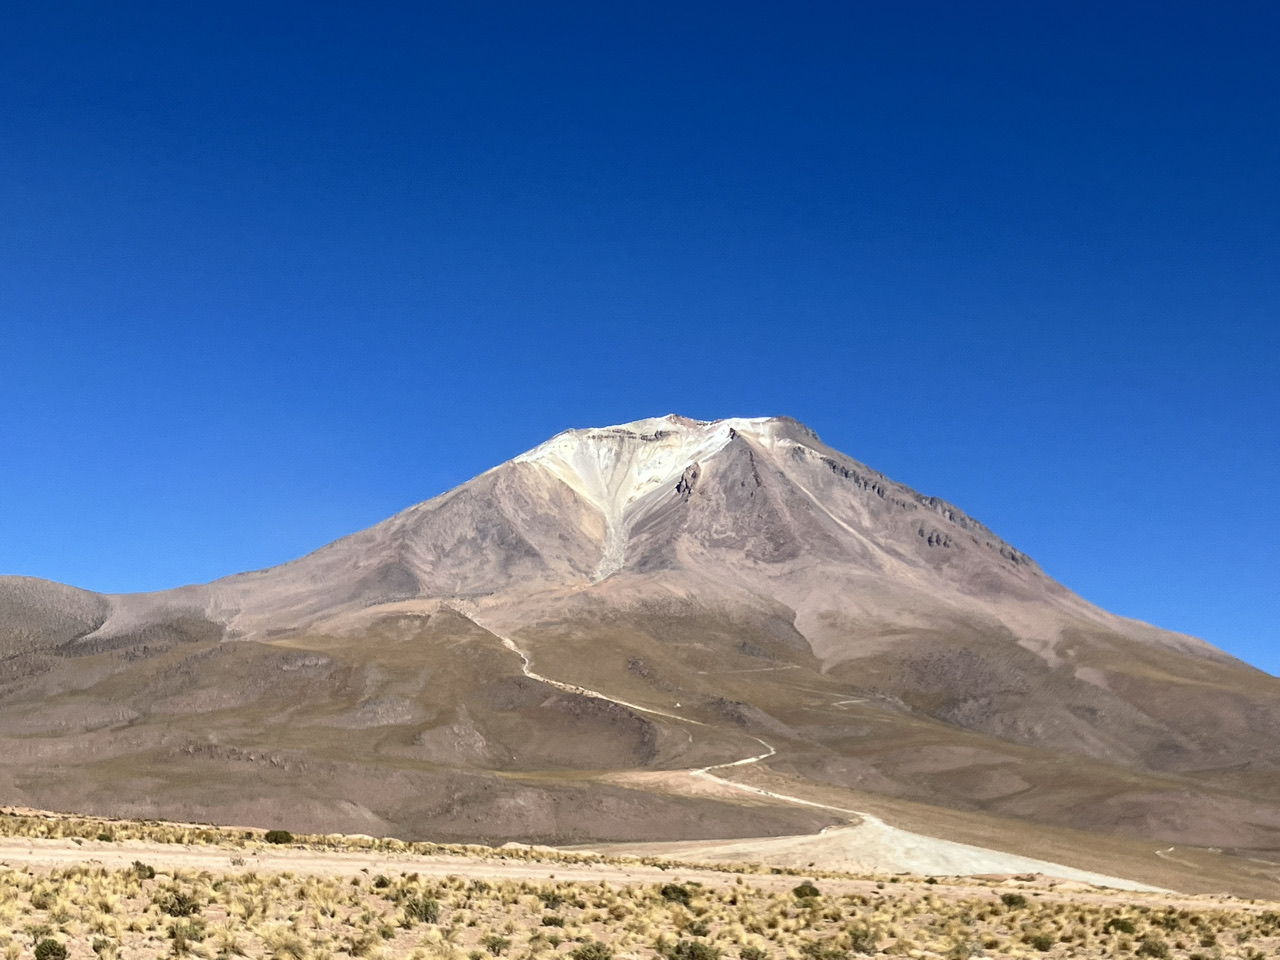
x,y
752,953
423,909
1120,925
380,882
551,920
692,950
143,871
278,836
862,940
183,934
495,944
361,943
187,930
825,950
50,949
806,890
551,899
675,893
1041,941
1013,900
179,904
698,928
283,944
592,950
1153,946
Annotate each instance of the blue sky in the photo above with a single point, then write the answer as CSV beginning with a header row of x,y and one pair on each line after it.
x,y
271,272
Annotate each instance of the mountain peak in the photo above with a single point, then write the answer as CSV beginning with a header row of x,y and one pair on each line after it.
x,y
616,468
723,579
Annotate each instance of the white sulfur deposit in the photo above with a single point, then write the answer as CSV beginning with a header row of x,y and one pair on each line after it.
x,y
614,468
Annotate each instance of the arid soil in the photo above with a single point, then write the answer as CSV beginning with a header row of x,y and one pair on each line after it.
x,y
226,893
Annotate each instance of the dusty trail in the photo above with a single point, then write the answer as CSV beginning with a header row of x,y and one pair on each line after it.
x,y
582,691
701,772
866,843
1165,855
704,773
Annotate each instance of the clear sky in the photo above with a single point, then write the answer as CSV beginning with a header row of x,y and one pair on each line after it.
x,y
270,272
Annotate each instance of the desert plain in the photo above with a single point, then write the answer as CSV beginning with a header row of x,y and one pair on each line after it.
x,y
77,888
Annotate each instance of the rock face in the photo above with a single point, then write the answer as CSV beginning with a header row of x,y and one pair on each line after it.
x,y
770,586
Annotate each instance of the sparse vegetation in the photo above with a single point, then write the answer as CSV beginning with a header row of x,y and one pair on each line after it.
x,y
1120,925
178,903
862,940
692,950
676,893
823,950
57,826
592,950
1041,941
1153,946
423,909
161,912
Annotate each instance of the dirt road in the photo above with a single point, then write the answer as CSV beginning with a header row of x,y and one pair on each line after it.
x,y
867,844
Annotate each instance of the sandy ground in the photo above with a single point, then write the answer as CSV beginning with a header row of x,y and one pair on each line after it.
x,y
871,846
43,855
49,854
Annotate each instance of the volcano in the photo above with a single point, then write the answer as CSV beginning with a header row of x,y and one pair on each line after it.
x,y
546,652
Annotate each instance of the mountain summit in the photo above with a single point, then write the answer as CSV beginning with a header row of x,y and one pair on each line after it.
x,y
616,603
727,510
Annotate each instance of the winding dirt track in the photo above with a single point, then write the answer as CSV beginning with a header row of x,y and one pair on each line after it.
x,y
701,772
867,843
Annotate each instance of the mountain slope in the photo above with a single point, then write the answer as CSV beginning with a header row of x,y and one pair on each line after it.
x,y
737,573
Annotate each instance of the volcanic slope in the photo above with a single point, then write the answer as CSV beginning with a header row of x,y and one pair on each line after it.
x,y
720,584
